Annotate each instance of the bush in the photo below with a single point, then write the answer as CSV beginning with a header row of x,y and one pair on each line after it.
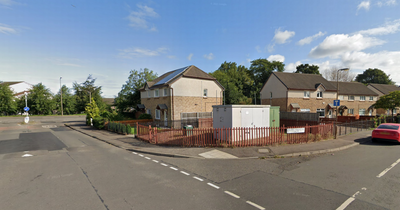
x,y
123,129
128,129
145,116
98,122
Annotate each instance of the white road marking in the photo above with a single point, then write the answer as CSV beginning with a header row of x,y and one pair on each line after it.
x,y
141,155
386,170
255,205
215,186
187,174
27,155
164,164
232,194
198,178
349,200
155,161
173,168
147,158
134,153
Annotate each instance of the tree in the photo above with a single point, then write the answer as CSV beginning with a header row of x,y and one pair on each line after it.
x,y
237,82
343,76
389,101
260,70
40,100
307,69
129,96
374,76
68,100
7,101
85,91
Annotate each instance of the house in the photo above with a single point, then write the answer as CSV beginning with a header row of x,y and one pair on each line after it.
x,y
179,93
383,89
19,88
294,92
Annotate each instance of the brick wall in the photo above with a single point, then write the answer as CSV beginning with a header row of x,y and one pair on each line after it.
x,y
193,104
281,102
151,103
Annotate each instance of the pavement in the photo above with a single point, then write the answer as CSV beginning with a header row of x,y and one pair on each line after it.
x,y
130,143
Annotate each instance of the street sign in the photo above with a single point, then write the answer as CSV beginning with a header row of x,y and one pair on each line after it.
x,y
26,109
336,102
26,119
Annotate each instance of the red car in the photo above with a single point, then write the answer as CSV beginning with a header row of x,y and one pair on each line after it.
x,y
386,132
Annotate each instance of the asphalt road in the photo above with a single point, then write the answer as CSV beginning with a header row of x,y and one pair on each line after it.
x,y
47,166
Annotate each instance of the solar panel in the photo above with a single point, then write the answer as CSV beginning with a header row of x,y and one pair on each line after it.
x,y
171,76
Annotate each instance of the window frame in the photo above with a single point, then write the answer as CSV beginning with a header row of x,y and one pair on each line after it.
x,y
362,110
362,98
371,98
156,93
351,97
205,92
319,94
306,94
165,92
148,94
321,111
159,114
148,111
350,111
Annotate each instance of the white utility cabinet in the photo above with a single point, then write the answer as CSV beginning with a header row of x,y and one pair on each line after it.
x,y
241,116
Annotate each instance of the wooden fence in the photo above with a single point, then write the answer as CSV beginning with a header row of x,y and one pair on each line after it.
x,y
233,137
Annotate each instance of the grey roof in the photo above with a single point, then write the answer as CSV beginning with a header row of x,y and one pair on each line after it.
x,y
354,88
295,105
296,81
384,89
140,106
188,71
332,106
162,106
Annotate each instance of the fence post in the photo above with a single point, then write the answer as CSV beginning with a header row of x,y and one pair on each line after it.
x,y
335,127
150,134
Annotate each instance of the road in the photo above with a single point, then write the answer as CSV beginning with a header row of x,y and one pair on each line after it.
x,y
48,166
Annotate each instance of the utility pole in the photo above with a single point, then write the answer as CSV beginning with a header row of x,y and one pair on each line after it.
x,y
62,112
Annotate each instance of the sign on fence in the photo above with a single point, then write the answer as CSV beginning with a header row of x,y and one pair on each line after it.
x,y
295,130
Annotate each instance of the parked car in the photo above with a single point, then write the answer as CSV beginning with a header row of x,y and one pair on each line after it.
x,y
386,132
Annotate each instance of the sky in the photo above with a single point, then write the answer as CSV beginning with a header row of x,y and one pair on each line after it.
x,y
43,40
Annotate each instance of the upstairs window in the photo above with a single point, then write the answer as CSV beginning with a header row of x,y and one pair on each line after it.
x,y
362,98
156,93
371,98
351,98
319,94
306,94
205,93
165,92
148,94
341,97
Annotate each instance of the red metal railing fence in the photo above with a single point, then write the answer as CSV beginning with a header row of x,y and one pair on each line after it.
x,y
233,137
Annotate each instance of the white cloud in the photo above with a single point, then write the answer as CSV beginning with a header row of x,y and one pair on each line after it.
x,y
6,29
389,28
190,56
386,3
280,58
291,67
258,49
338,44
141,52
309,39
209,56
281,37
7,2
139,19
364,5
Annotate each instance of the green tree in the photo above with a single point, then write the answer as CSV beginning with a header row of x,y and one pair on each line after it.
x,y
85,91
8,104
129,96
374,76
389,101
236,81
260,70
68,100
40,100
307,69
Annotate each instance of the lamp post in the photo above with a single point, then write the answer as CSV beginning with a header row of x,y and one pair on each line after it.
x,y
337,95
62,112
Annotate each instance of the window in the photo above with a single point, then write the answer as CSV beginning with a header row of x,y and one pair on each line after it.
x,y
362,98
148,111
156,93
319,94
306,94
351,98
350,111
205,93
361,111
394,111
341,97
165,92
321,112
157,114
148,94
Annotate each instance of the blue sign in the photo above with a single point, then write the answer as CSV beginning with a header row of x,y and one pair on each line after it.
x,y
26,109
336,102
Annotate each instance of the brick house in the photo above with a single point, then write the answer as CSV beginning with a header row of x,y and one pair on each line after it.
x,y
383,89
184,90
19,88
312,93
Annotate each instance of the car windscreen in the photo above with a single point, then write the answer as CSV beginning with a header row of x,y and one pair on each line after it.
x,y
391,127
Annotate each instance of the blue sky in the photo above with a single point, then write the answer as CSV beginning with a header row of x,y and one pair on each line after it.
x,y
43,40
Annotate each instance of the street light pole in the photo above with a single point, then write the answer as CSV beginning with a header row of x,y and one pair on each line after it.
x,y
62,112
337,95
